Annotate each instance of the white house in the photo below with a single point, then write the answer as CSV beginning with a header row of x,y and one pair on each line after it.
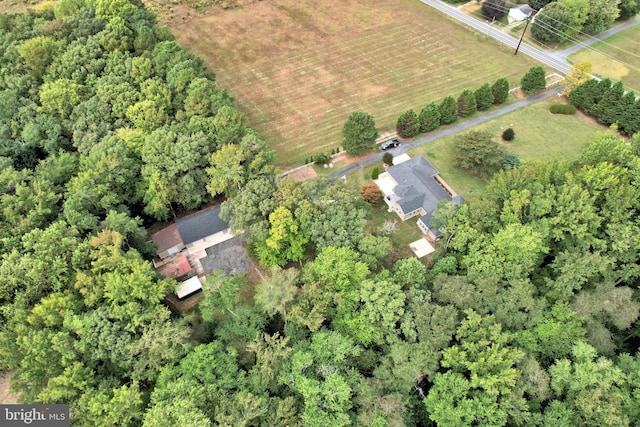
x,y
413,189
519,12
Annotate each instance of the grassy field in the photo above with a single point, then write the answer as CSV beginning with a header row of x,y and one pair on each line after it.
x,y
299,68
17,6
616,57
540,135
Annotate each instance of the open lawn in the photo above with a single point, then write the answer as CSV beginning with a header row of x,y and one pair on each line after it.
x,y
616,57
17,6
540,135
297,69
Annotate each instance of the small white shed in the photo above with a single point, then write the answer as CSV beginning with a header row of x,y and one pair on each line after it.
x,y
519,12
188,287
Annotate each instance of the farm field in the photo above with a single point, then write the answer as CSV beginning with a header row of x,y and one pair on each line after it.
x,y
540,135
622,61
17,6
297,69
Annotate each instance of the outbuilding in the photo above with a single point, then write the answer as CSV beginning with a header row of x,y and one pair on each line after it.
x,y
519,12
189,287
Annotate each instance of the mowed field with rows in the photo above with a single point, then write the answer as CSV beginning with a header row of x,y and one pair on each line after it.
x,y
297,68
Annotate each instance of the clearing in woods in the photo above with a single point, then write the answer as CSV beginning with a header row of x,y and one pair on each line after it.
x,y
297,69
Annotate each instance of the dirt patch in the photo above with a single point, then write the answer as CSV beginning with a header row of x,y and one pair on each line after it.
x,y
470,7
6,397
303,174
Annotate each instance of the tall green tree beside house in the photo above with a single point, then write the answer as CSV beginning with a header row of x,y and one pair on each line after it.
x,y
359,133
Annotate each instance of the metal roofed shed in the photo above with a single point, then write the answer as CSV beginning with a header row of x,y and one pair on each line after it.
x,y
189,287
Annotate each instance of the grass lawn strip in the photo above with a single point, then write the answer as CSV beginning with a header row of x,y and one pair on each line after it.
x,y
540,135
628,40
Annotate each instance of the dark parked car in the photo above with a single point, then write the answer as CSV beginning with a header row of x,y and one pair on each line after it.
x,y
389,144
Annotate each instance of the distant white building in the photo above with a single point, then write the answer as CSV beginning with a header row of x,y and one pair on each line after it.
x,y
519,12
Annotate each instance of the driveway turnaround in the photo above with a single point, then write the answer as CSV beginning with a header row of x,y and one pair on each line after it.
x,y
446,132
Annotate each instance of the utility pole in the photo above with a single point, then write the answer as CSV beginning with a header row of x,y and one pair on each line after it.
x,y
522,36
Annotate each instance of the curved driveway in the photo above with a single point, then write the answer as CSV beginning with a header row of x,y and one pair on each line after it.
x,y
445,132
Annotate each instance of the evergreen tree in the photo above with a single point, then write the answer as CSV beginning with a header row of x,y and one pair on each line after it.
x,y
484,97
448,110
500,90
407,124
607,110
466,103
359,133
429,117
533,80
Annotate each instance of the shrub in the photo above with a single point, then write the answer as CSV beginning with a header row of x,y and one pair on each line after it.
x,y
534,79
407,124
322,159
508,134
371,194
510,161
500,90
448,110
375,173
387,158
484,97
466,103
562,109
429,118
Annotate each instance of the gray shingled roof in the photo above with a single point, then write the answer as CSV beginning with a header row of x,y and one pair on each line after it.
x,y
524,8
200,225
417,186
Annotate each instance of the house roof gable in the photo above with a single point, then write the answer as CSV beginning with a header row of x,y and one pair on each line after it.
x,y
416,177
167,238
200,225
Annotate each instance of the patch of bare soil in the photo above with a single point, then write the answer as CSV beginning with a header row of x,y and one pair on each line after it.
x,y
6,397
303,174
470,7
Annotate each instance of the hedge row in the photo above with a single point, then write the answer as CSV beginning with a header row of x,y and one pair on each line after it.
x,y
562,109
410,124
609,104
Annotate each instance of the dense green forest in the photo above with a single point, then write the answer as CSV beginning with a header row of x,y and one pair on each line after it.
x,y
527,316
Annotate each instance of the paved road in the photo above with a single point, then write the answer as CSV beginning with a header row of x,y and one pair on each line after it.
x,y
611,31
552,60
446,132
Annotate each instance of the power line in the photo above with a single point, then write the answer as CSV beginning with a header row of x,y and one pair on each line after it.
x,y
578,42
